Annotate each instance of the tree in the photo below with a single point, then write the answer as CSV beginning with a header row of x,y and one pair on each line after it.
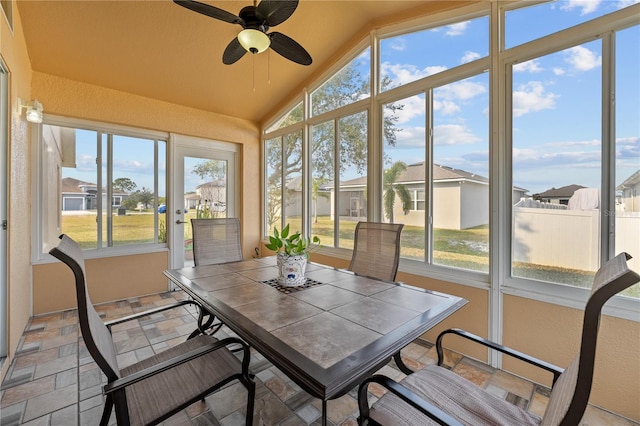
x,y
391,189
124,185
316,184
143,196
213,192
346,87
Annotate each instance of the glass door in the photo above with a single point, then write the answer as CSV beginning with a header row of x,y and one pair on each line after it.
x,y
202,186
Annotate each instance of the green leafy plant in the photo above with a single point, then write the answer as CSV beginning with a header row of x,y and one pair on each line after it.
x,y
291,245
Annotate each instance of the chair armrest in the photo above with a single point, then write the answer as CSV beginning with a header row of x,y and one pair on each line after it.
x,y
111,323
554,369
417,402
123,382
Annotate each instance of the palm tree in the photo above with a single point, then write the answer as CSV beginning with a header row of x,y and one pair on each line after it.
x,y
316,184
391,189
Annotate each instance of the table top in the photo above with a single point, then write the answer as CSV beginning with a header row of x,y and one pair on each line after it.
x,y
326,336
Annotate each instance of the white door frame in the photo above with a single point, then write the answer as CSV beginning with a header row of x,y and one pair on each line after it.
x,y
4,193
181,146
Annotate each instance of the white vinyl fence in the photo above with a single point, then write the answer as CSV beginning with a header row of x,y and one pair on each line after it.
x,y
570,238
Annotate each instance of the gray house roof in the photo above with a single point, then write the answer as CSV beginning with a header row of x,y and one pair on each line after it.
x,y
416,173
562,192
71,185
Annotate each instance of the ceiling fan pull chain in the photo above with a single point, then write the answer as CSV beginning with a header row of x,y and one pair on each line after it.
x,y
253,67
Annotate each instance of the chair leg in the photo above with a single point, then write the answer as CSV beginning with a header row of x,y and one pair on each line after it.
x,y
251,397
401,365
106,413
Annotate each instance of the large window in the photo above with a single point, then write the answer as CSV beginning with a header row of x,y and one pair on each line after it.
x,y
101,187
555,115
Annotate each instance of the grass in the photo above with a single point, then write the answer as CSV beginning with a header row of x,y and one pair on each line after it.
x,y
465,249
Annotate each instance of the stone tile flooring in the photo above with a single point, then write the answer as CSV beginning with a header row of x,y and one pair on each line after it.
x,y
54,381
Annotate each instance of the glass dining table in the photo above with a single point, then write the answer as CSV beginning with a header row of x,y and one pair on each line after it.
x,y
327,335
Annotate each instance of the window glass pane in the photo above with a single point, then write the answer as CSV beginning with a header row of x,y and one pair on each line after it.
x,y
627,214
274,184
162,190
404,170
292,117
322,182
529,23
350,84
410,57
133,176
293,181
352,202
557,166
113,204
78,183
461,174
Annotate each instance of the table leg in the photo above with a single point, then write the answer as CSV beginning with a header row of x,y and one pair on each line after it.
x,y
324,412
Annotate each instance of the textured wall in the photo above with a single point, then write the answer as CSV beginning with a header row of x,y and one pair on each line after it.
x,y
552,333
16,59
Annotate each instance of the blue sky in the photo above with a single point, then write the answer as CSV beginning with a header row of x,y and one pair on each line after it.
x,y
556,103
556,98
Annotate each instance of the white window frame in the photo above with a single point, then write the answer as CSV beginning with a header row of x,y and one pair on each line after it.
x,y
37,255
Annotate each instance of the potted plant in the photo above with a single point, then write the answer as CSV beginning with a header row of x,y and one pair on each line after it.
x,y
292,253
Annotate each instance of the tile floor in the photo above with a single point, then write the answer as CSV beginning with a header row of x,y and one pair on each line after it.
x,y
54,381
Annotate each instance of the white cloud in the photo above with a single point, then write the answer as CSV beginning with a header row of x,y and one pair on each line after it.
x,y
626,3
469,56
564,144
446,107
531,66
412,137
582,58
558,71
399,44
453,134
405,73
457,29
532,97
531,158
85,163
585,6
412,107
463,90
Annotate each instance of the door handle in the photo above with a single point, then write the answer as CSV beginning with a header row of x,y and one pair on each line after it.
x,y
178,222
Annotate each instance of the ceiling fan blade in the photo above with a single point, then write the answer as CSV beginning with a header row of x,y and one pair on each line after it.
x,y
210,11
276,12
233,52
289,48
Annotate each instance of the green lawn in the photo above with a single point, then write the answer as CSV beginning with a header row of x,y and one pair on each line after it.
x,y
466,249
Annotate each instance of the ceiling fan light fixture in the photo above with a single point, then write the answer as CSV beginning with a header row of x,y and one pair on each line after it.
x,y
254,41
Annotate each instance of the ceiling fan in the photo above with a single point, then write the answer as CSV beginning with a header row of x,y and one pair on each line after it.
x,y
256,21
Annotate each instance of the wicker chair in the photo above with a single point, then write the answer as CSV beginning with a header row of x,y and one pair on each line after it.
x,y
439,396
376,250
216,241
154,389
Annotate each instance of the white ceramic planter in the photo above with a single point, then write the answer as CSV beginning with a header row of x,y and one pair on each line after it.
x,y
291,270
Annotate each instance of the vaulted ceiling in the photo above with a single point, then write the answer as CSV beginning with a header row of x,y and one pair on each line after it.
x,y
157,49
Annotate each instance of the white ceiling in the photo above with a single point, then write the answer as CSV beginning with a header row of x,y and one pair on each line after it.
x,y
157,49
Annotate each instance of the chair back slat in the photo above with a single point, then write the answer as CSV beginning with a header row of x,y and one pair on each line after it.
x,y
570,395
376,250
216,241
95,334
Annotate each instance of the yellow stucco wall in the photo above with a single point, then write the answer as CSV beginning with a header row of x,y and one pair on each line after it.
x,y
15,57
74,99
552,333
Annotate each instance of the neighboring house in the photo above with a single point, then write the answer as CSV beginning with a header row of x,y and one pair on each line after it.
x,y
630,193
460,198
213,194
191,200
80,196
557,195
